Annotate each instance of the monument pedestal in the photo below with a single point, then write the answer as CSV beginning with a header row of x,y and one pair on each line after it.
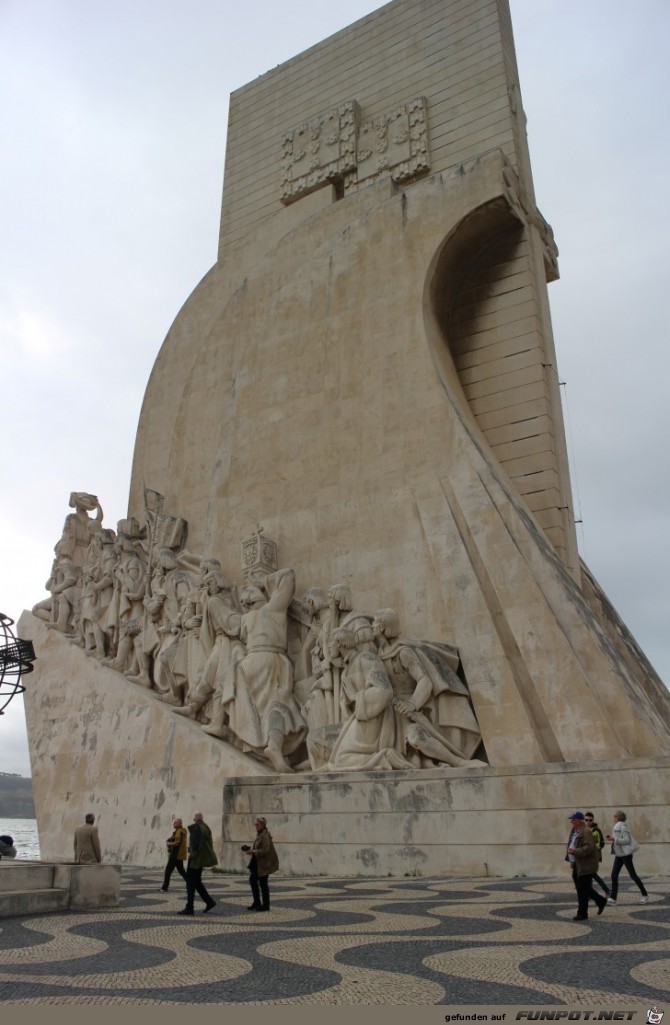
x,y
447,822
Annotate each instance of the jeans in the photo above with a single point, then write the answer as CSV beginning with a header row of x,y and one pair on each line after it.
x,y
619,862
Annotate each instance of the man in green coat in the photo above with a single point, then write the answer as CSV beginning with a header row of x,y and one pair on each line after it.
x,y
200,855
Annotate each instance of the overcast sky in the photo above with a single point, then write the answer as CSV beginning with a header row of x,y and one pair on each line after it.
x,y
114,119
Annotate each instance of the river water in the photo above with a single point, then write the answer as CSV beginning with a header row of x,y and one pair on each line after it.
x,y
24,832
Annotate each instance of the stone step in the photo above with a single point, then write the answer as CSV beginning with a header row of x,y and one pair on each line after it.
x,y
27,875
33,901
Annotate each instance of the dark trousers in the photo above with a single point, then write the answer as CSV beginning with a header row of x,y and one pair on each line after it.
x,y
585,893
193,883
596,879
259,886
601,883
619,862
173,863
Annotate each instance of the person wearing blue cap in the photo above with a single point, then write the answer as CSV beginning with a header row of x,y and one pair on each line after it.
x,y
583,855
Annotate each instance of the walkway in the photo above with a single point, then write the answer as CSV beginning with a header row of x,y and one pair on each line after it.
x,y
350,941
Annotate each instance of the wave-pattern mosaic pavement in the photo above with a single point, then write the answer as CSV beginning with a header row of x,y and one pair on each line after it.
x,y
344,942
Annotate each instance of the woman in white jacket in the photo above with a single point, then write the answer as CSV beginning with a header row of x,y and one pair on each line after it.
x,y
623,847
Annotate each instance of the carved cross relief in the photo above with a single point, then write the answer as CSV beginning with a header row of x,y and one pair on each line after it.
x,y
337,148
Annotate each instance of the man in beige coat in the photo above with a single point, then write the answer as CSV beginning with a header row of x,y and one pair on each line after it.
x,y
87,843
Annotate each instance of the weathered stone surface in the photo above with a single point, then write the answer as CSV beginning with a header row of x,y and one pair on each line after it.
x,y
99,743
501,822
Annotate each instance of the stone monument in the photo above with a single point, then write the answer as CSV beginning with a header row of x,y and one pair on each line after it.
x,y
409,663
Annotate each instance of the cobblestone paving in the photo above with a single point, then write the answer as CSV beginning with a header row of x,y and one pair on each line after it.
x,y
344,942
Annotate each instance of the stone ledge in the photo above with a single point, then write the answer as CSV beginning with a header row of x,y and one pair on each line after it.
x,y
40,887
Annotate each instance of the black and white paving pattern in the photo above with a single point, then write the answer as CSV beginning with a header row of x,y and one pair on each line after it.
x,y
408,941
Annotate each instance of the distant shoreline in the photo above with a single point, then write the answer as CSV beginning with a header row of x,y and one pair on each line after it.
x,y
16,796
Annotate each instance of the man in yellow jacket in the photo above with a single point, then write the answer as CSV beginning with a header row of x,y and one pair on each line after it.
x,y
177,846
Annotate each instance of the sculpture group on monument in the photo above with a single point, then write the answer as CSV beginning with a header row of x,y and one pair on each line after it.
x,y
306,683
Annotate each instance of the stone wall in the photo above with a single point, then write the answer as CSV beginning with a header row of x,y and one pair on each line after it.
x,y
101,744
449,822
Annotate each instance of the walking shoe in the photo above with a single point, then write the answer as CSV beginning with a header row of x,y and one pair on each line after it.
x,y
262,909
254,907
580,918
601,907
185,911
208,906
644,900
163,889
612,902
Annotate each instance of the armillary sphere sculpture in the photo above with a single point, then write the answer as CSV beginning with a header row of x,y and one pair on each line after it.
x,y
16,660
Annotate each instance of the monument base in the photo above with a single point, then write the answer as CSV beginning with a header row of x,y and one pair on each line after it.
x,y
447,822
100,743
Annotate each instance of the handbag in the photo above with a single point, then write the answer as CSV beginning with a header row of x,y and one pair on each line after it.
x,y
631,845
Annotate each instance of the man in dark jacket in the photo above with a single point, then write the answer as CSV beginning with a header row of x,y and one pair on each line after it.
x,y
200,855
582,849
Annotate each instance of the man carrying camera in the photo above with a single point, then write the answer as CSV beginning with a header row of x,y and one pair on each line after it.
x,y
263,861
177,847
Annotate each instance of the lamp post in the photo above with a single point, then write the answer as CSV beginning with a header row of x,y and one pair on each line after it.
x,y
16,660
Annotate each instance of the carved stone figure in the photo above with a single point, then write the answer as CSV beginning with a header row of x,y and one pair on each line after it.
x,y
368,736
98,589
435,719
84,636
125,615
65,593
79,527
173,663
103,585
328,613
219,634
272,674
167,587
258,690
193,645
